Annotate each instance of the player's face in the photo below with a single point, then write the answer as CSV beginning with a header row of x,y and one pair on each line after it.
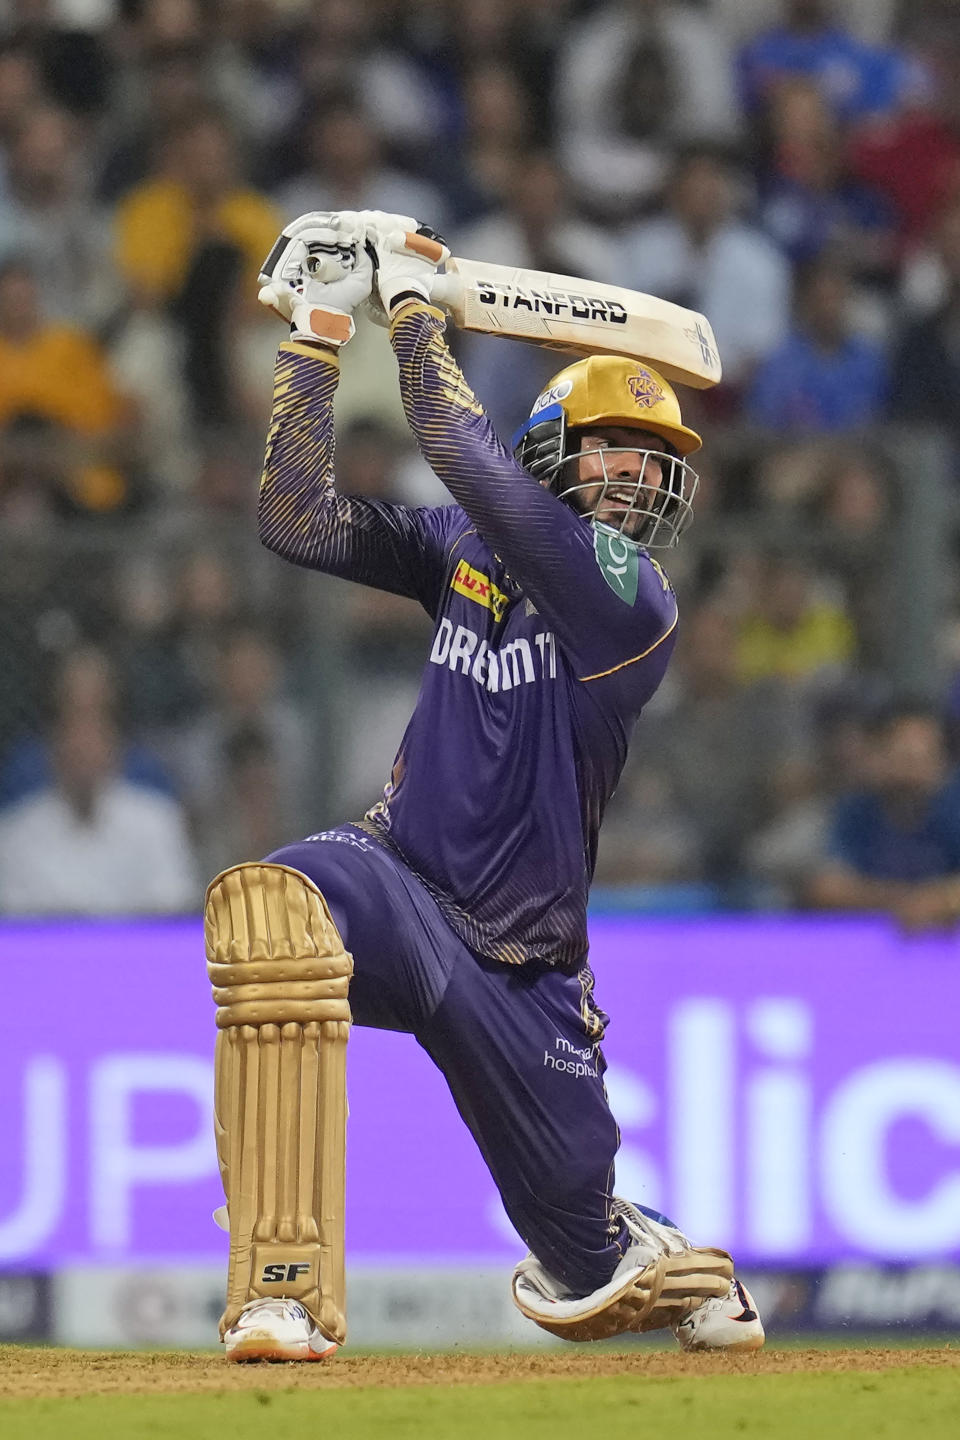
x,y
618,477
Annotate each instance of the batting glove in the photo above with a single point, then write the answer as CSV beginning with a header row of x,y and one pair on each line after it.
x,y
406,255
317,273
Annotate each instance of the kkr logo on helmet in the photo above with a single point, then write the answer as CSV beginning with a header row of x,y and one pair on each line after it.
x,y
645,389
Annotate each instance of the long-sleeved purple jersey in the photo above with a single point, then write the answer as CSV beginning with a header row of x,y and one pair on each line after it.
x,y
550,635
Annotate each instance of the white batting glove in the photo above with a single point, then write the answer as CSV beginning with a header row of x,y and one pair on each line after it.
x,y
406,256
317,273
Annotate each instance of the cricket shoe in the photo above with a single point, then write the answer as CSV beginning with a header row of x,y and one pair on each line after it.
x,y
732,1323
659,1281
276,1330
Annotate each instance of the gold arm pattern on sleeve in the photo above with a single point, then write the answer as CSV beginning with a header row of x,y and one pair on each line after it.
x,y
452,385
301,516
299,463
286,403
311,350
409,307
602,674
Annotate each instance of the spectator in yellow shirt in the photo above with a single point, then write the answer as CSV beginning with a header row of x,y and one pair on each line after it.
x,y
64,424
796,631
195,197
192,239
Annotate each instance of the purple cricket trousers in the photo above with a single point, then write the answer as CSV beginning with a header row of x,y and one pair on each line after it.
x,y
511,1042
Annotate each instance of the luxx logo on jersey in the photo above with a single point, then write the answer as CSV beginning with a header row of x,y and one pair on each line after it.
x,y
479,587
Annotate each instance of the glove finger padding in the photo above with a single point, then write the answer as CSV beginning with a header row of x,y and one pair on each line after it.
x,y
329,234
292,248
423,242
318,267
406,260
378,222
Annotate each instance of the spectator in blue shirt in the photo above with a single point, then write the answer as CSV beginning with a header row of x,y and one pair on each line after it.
x,y
895,845
85,684
824,378
857,79
809,200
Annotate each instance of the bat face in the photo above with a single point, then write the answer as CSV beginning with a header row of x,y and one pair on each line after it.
x,y
580,317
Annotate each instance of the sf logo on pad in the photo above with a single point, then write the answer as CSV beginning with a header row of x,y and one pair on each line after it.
x,y
278,1274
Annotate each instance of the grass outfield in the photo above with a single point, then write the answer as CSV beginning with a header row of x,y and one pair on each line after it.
x,y
795,1394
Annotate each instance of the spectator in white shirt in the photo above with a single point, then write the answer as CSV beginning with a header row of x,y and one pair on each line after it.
x,y
634,76
698,252
535,229
91,842
345,169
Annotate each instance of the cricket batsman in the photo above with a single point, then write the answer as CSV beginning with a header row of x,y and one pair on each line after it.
x,y
456,909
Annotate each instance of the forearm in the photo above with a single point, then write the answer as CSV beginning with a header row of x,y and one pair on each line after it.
x,y
460,444
301,516
938,901
918,905
842,889
297,512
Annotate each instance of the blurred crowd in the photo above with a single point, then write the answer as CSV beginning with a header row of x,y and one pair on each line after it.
x,y
171,701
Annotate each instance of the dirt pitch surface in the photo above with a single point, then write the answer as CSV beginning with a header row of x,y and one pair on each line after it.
x,y
30,1373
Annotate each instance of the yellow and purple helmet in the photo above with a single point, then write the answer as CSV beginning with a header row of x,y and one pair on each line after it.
x,y
610,390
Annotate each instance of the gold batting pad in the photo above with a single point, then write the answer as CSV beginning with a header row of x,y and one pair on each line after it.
x,y
668,1290
280,978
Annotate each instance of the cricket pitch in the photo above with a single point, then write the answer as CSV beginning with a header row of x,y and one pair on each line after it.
x,y
793,1394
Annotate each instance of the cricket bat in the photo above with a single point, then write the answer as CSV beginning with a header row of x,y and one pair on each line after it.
x,y
578,316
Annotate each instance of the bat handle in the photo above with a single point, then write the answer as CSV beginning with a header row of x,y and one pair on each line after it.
x,y
447,291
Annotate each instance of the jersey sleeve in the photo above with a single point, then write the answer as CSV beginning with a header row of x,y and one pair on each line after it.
x,y
609,604
302,517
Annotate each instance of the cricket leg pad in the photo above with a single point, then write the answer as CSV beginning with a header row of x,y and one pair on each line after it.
x,y
661,1280
280,977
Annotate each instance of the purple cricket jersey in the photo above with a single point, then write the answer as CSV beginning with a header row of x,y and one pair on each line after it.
x,y
551,634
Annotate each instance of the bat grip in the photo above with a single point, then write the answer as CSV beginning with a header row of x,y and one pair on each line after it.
x,y
446,290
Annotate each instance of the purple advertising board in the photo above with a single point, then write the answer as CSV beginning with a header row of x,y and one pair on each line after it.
x,y
786,1087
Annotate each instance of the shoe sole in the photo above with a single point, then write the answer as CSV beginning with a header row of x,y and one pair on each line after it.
x,y
755,1342
259,1347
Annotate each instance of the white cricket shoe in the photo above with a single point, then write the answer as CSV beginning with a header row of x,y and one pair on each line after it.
x,y
660,1276
732,1323
276,1330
